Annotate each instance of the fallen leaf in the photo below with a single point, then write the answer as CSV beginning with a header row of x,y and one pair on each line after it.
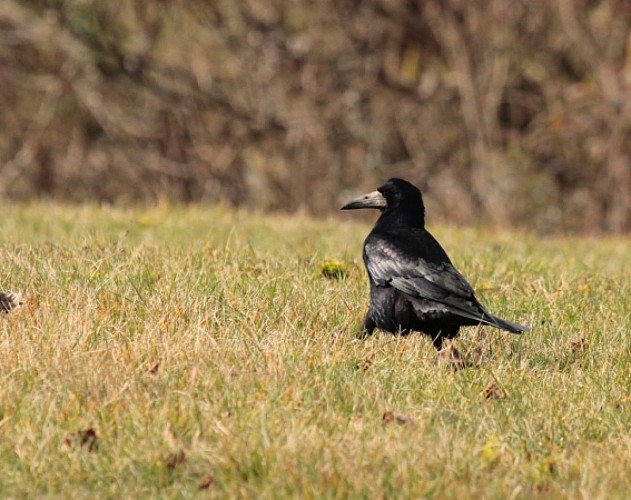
x,y
364,365
390,416
175,459
206,483
494,391
579,347
85,438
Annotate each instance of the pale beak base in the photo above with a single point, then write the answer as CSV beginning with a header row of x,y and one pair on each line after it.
x,y
369,200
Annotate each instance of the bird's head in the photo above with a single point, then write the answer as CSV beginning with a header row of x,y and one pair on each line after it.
x,y
395,193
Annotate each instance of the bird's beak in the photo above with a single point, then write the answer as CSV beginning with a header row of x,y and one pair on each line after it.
x,y
370,200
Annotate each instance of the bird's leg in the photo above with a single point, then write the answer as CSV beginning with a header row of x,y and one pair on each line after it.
x,y
367,328
439,336
449,354
438,340
452,357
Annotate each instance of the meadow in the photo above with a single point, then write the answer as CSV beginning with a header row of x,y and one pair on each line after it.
x,y
182,352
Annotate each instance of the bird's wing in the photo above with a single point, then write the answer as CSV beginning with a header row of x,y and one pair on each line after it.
x,y
389,264
434,279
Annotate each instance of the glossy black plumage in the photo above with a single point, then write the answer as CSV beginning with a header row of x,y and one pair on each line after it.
x,y
413,284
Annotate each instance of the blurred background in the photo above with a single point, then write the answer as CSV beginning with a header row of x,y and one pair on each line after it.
x,y
504,112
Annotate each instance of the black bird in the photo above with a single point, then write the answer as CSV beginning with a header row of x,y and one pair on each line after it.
x,y
413,284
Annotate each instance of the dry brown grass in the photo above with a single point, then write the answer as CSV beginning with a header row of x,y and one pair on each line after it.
x,y
169,350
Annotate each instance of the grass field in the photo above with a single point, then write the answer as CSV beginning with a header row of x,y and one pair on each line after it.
x,y
175,352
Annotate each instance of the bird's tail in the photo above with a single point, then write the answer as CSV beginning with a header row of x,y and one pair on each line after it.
x,y
479,315
508,326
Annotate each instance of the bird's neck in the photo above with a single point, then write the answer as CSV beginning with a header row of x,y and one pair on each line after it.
x,y
397,218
